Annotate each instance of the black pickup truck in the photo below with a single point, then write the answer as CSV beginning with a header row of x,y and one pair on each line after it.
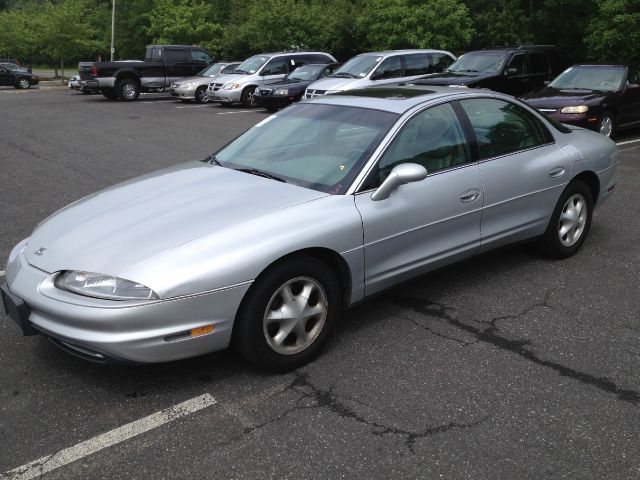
x,y
162,65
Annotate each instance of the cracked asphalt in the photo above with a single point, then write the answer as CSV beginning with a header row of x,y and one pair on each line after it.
x,y
509,365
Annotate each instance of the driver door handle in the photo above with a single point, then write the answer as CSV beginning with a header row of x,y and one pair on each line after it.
x,y
470,195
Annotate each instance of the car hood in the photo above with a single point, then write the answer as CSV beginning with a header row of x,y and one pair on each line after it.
x,y
116,228
452,78
198,78
230,77
552,97
337,83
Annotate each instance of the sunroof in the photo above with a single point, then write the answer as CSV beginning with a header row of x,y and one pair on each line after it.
x,y
387,93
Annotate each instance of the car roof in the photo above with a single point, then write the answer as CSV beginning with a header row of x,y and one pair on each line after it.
x,y
394,99
596,65
408,50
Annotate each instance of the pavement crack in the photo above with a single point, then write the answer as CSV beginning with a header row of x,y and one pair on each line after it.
x,y
491,336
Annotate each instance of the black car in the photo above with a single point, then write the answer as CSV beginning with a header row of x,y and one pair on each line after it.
x,y
511,70
603,98
281,93
15,76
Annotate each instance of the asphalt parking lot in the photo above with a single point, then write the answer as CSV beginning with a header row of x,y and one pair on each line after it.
x,y
506,366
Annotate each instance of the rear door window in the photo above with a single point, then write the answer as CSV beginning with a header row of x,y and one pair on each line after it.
x,y
538,63
417,64
502,128
391,67
175,55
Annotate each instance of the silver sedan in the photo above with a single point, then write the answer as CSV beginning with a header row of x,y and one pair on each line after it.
x,y
265,242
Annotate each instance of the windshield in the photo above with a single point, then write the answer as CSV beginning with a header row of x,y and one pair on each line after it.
x,y
606,79
252,65
307,72
317,146
484,62
211,71
358,67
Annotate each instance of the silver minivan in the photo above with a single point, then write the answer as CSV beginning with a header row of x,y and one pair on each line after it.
x,y
255,71
378,68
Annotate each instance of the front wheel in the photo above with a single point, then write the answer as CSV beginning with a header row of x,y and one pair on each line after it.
x,y
201,95
570,221
247,98
128,90
287,314
607,124
23,83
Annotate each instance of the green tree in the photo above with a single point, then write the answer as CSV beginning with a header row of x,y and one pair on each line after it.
x,y
185,22
499,22
390,24
614,33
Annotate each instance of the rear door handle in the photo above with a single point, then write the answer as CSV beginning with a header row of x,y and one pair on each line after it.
x,y
556,172
470,195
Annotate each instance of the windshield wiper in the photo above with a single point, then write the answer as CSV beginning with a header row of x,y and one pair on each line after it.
x,y
212,159
260,173
343,75
466,70
237,70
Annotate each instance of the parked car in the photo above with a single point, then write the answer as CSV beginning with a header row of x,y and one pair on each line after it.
x,y
74,82
511,70
15,76
281,93
603,98
313,209
195,88
256,72
163,64
379,68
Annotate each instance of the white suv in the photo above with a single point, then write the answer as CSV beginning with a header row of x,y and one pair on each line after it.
x,y
379,68
258,70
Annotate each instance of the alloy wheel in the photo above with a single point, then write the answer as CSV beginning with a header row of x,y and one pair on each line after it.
x,y
606,126
295,315
572,220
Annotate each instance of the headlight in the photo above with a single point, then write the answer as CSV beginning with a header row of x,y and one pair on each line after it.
x,y
576,109
281,91
187,85
329,92
103,286
230,86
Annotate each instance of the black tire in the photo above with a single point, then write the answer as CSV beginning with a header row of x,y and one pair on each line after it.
x,y
247,97
252,337
128,90
23,83
85,92
604,127
558,245
109,93
201,95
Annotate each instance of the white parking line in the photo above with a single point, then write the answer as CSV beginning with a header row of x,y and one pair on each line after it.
x,y
628,142
237,111
194,106
63,457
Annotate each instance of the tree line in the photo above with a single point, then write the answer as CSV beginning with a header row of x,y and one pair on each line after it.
x,y
51,31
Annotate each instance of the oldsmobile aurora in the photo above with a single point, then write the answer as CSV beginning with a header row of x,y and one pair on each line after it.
x,y
262,244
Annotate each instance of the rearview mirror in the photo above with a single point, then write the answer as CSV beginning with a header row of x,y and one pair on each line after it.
x,y
401,174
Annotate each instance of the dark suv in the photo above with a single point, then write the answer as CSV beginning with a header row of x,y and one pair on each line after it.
x,y
511,70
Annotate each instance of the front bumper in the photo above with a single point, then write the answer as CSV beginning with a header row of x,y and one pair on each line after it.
x,y
88,85
183,93
141,332
224,96
271,101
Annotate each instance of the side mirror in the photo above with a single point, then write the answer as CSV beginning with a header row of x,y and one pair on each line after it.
x,y
401,174
512,71
547,82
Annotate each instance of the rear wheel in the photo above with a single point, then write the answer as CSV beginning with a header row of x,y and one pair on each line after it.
x,y
247,97
128,90
570,222
288,314
201,95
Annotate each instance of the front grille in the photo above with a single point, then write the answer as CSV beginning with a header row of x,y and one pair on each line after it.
x,y
547,110
314,93
265,91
